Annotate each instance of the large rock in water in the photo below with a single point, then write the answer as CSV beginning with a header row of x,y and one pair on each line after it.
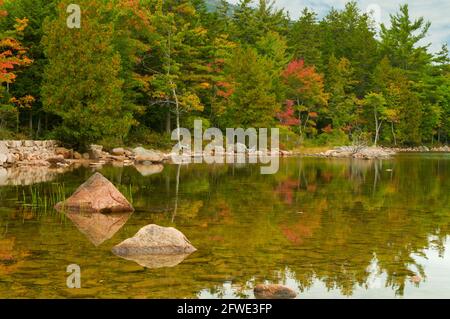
x,y
274,291
96,195
155,240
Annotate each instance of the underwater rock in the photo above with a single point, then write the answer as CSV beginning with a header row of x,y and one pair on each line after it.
x,y
273,291
96,195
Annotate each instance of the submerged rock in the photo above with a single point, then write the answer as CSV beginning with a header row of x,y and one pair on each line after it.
x,y
98,227
154,240
96,195
273,291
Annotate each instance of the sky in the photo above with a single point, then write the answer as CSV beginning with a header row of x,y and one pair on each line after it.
x,y
435,11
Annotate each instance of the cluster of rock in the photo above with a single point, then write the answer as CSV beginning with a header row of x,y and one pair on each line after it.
x,y
25,153
49,153
236,149
358,152
423,149
445,148
138,155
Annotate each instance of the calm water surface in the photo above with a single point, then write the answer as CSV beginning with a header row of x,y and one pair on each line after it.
x,y
326,228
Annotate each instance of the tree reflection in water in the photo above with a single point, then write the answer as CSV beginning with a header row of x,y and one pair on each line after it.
x,y
329,227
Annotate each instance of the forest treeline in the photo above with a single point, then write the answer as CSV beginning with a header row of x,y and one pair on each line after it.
x,y
136,69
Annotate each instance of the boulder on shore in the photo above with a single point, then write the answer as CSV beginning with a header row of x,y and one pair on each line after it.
x,y
118,151
95,151
143,155
154,240
273,291
96,195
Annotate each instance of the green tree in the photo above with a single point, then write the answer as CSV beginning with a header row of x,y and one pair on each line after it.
x,y
351,34
248,101
305,39
400,42
29,83
81,81
343,103
251,23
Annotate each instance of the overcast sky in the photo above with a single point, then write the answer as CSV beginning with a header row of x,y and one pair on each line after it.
x,y
435,11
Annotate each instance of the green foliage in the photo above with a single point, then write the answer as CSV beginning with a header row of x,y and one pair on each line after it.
x,y
251,102
81,81
144,67
143,136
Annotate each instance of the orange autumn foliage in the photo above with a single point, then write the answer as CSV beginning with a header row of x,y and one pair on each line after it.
x,y
12,53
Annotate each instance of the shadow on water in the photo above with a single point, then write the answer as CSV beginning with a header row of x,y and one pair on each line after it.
x,y
324,227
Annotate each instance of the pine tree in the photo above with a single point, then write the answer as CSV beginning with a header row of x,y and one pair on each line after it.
x,y
81,81
400,42
248,101
305,39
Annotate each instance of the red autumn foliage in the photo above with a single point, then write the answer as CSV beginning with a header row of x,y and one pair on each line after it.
x,y
305,83
327,129
12,53
225,89
288,118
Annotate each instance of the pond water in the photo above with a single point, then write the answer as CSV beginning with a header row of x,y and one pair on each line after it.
x,y
327,228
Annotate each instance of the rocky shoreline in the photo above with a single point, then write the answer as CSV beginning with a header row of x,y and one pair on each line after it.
x,y
366,152
49,153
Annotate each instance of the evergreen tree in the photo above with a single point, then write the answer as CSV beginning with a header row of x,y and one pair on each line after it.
x,y
305,39
81,81
248,101
400,42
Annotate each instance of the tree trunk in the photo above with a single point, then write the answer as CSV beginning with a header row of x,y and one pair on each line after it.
x,y
377,133
38,131
177,109
393,133
168,124
31,124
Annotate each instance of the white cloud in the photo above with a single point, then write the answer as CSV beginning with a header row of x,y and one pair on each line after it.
x,y
435,11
